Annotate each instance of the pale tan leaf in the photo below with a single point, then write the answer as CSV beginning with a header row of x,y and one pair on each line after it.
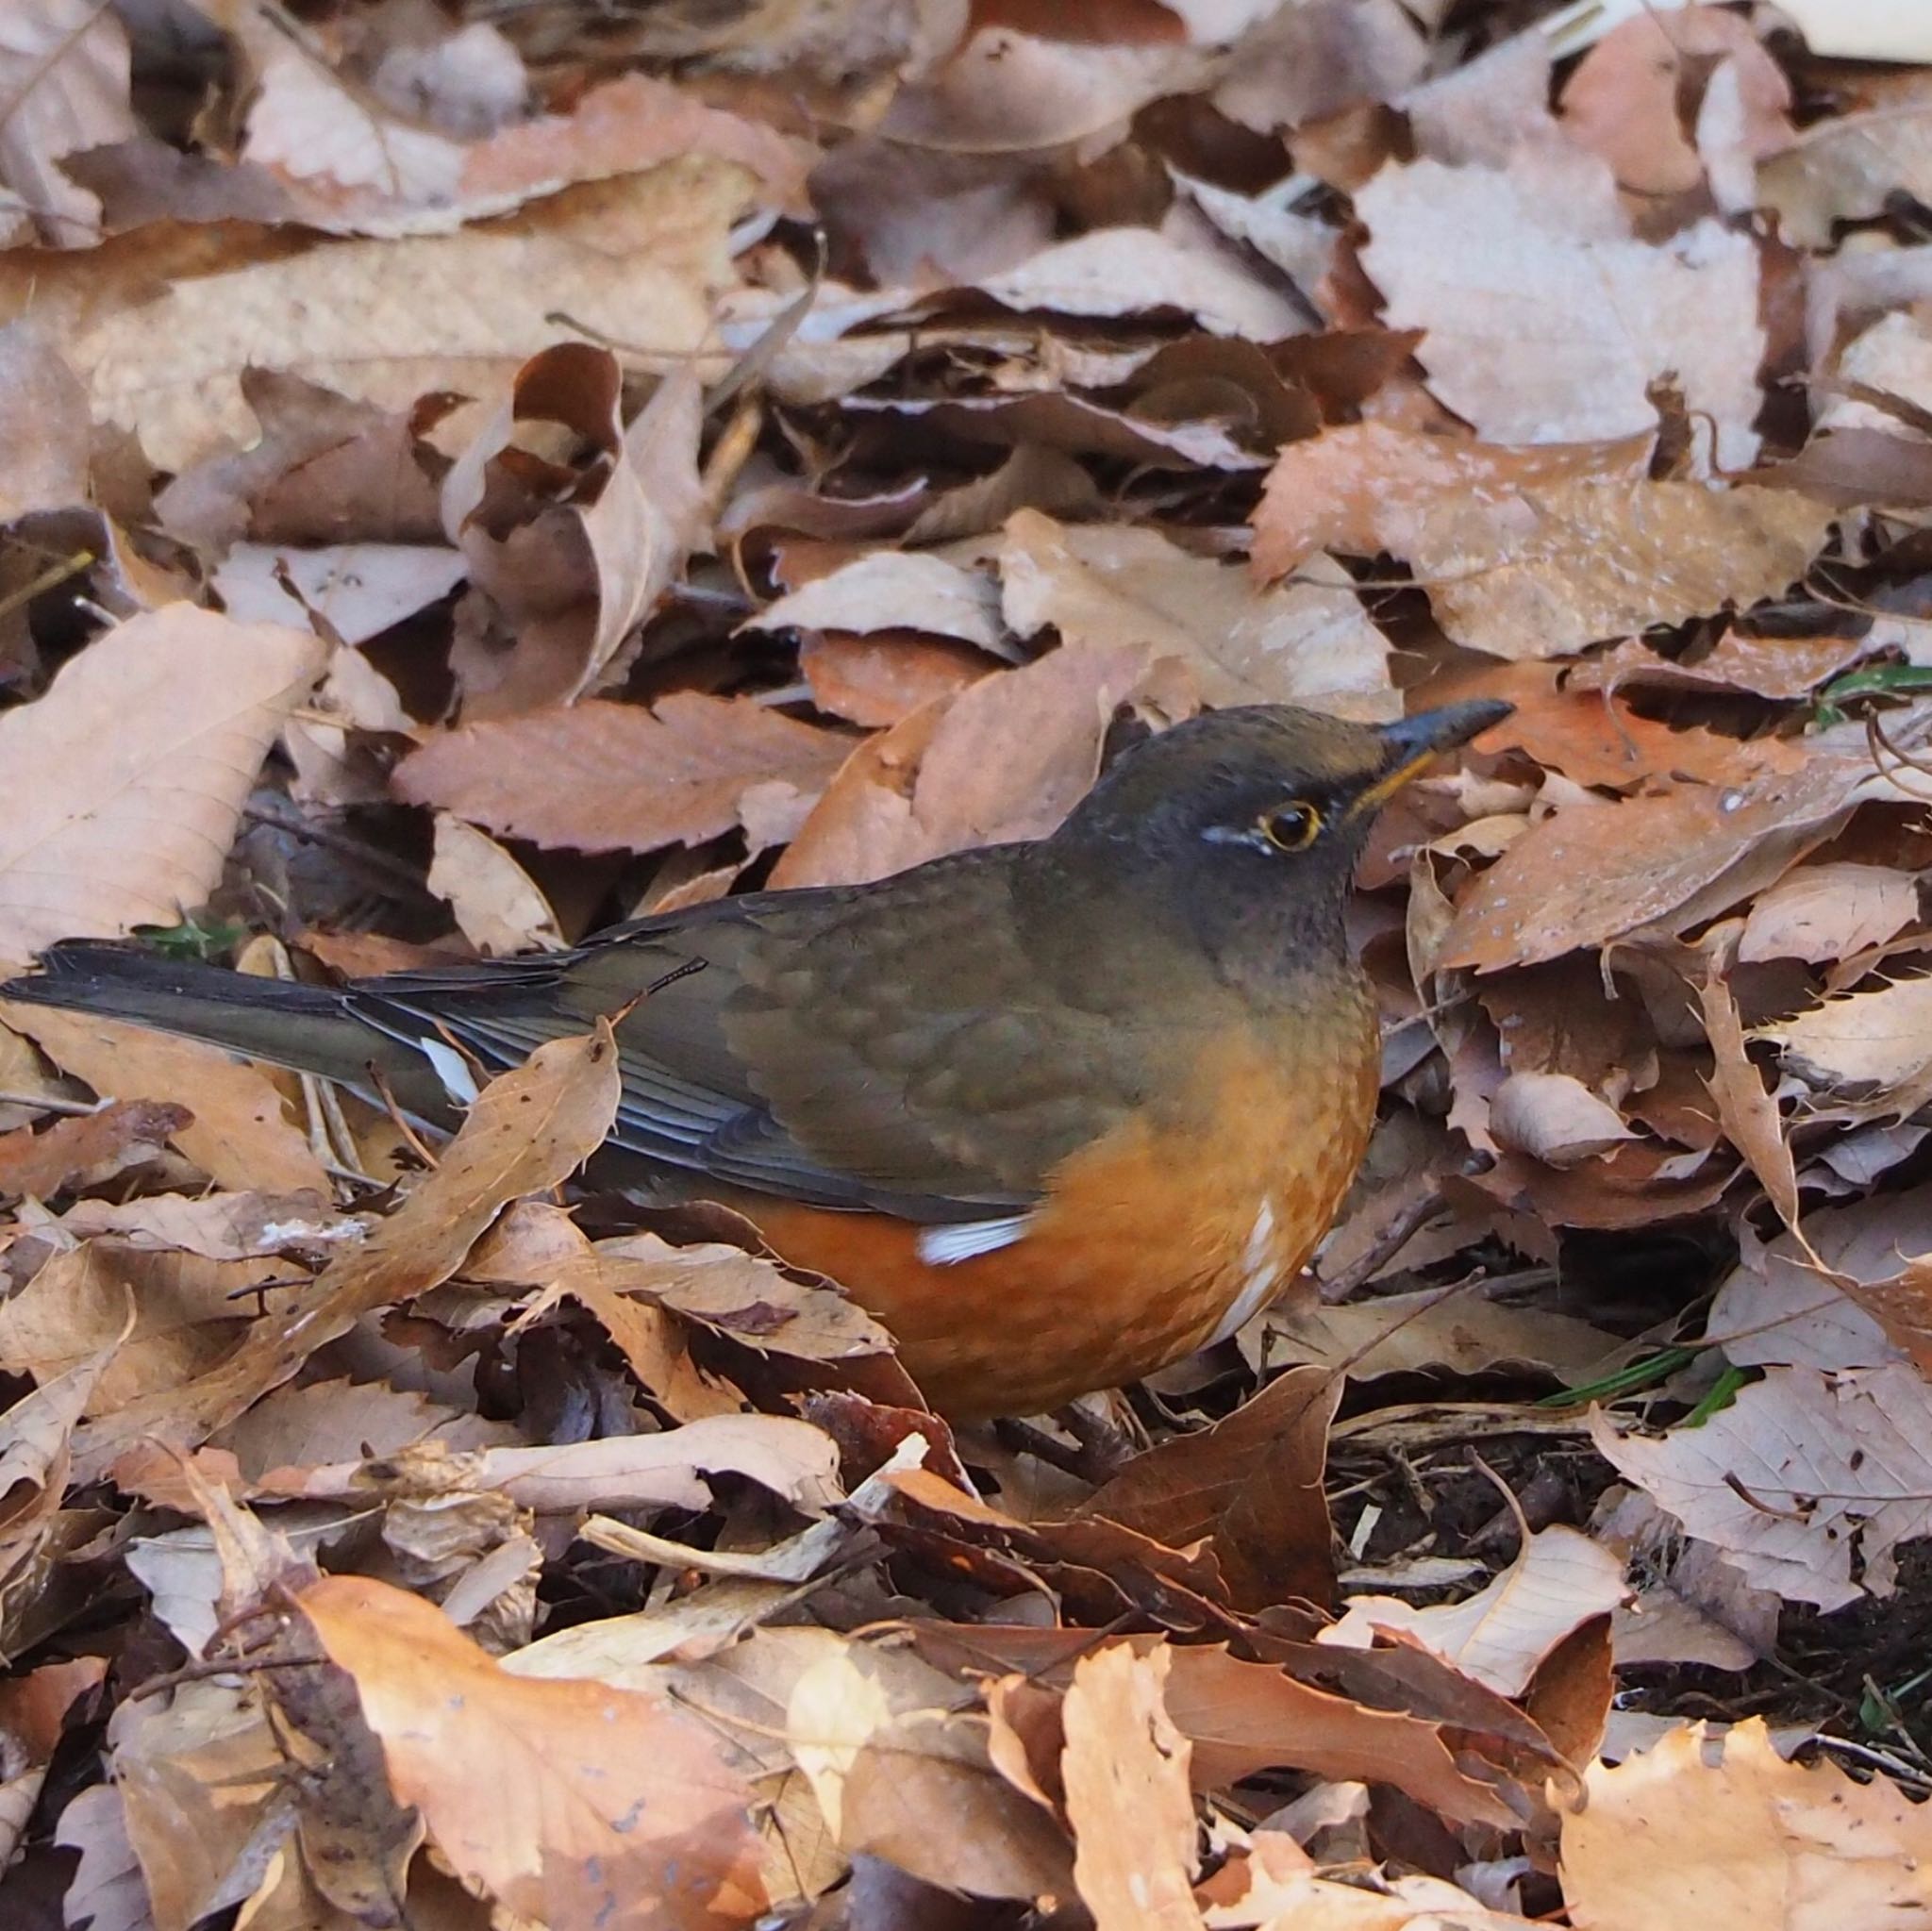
x,y
1558,1581
1799,1477
893,589
639,778
498,905
601,1805
44,429
386,322
1128,270
1303,643
1868,1043
788,1457
356,590
1125,1768
1008,757
63,87
1556,329
240,1135
1728,1825
529,1130
1529,552
129,774
1555,1118
1824,913
1401,1334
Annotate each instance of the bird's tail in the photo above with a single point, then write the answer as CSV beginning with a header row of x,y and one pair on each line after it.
x,y
306,1027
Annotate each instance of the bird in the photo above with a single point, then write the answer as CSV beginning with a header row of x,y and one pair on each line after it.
x,y
1057,1112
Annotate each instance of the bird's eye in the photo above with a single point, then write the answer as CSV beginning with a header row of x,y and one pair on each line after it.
x,y
1290,827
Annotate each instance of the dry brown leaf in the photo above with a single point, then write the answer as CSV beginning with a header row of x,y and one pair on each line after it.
x,y
85,1151
1127,271
1305,642
899,1774
1253,1482
1799,1477
499,908
239,1133
1775,1307
893,589
1007,758
187,1312
1402,1334
789,1458
1847,166
1639,98
1554,1118
1243,1717
1132,1813
386,322
129,774
64,83
1748,1113
882,678
1530,552
702,755
44,426
347,592
740,1295
1558,1581
1278,1888
1555,329
602,1807
1592,872
1874,1045
527,1131
1751,1838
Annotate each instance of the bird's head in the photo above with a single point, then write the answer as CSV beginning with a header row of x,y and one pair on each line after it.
x,y
1247,823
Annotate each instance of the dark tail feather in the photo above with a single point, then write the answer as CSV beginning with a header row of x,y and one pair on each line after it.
x,y
306,1027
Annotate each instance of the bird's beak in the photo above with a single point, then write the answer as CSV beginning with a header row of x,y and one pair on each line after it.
x,y
1413,741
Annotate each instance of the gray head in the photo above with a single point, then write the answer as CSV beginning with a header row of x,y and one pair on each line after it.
x,y
1245,824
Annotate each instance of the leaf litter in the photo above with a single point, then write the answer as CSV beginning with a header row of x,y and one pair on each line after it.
x,y
472,474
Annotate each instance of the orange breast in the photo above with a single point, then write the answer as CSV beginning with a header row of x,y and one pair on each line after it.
x,y
1147,1242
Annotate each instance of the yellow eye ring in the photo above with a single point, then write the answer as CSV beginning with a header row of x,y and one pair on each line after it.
x,y
1290,827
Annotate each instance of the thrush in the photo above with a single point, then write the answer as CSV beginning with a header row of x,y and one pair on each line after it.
x,y
1057,1113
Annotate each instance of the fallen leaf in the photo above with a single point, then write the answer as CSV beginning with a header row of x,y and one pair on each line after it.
x,y
527,1131
498,906
1307,642
1132,1813
893,589
239,1133
356,590
1558,1581
132,770
1824,913
1555,1119
1526,550
1590,874
884,678
703,754
384,322
874,1731
85,1151
1555,329
1253,1482
1799,1477
1873,1044
789,1458
607,1806
1752,1839
64,75
44,418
